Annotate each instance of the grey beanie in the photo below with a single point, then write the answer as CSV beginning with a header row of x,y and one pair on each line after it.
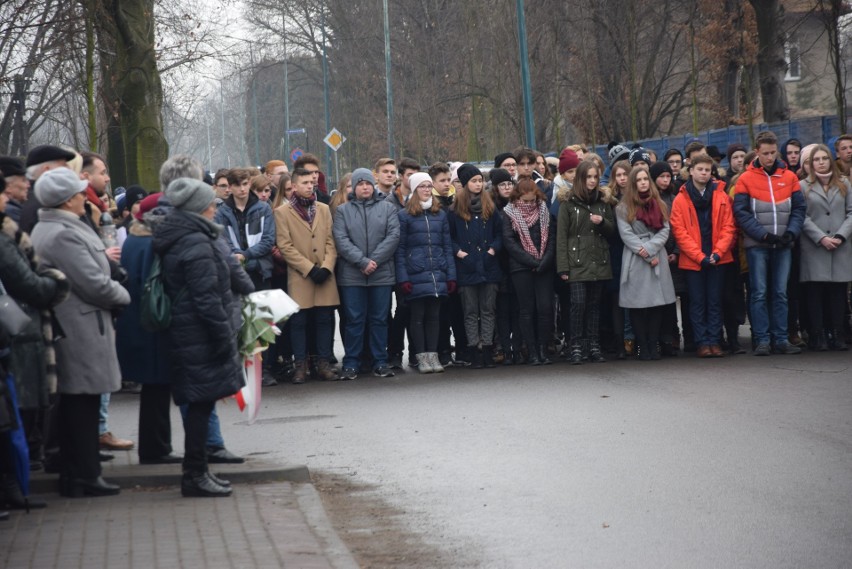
x,y
189,194
362,175
57,186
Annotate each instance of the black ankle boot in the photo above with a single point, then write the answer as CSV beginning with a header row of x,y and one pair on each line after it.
x,y
200,485
488,356
11,496
80,487
542,355
477,360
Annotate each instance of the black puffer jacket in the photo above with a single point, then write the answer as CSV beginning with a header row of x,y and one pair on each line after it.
x,y
205,365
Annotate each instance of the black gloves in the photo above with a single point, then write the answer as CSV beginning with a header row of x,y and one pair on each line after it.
x,y
705,262
772,239
787,239
319,275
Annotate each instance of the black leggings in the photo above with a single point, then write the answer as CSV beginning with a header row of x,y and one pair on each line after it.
x,y
424,323
826,306
534,291
647,325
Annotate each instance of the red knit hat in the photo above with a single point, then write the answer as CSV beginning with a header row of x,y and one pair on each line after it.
x,y
568,160
147,204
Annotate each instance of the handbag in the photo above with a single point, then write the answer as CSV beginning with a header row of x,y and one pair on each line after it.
x,y
155,309
12,318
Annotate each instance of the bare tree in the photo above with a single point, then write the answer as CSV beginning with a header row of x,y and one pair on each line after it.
x,y
771,63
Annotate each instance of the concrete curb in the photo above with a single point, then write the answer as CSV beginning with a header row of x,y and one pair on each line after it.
x,y
311,506
127,473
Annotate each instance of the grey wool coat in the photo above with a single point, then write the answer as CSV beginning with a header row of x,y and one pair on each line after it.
x,y
86,360
828,214
643,286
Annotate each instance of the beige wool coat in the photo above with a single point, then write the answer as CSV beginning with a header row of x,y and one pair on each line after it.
x,y
305,247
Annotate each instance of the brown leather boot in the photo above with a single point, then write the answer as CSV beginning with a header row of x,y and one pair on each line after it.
x,y
301,370
326,372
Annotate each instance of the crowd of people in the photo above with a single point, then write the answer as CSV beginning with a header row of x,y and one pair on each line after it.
x,y
537,259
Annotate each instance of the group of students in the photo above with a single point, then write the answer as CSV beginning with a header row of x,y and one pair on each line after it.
x,y
509,265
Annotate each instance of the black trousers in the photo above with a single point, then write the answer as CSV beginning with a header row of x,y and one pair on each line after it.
x,y
78,435
195,436
826,304
647,325
155,425
534,291
452,318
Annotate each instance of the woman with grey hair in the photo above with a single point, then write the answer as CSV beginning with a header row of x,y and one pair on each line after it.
x,y
205,365
66,243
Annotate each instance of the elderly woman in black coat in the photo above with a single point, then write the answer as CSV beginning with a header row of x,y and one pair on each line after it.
x,y
203,335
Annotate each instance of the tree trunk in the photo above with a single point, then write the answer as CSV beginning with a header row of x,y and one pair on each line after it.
x,y
133,93
770,59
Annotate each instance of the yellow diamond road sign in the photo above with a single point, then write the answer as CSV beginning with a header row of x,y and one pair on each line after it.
x,y
334,139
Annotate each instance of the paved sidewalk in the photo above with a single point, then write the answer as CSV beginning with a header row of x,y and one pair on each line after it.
x,y
264,524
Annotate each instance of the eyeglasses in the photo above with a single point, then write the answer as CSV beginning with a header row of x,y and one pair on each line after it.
x,y
506,185
222,186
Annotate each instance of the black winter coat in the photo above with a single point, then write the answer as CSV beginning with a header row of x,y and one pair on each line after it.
x,y
205,365
519,259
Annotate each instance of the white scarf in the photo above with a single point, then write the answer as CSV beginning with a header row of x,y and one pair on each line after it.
x,y
426,205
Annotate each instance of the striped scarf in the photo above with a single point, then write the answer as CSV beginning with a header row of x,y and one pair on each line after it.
x,y
305,207
524,215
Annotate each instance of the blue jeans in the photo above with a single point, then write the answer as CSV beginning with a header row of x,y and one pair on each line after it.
x,y
103,414
323,317
214,430
705,304
361,304
769,270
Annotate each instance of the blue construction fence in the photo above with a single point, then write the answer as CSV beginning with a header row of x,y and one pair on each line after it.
x,y
807,130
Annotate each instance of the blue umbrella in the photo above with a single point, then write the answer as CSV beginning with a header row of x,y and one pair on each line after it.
x,y
20,449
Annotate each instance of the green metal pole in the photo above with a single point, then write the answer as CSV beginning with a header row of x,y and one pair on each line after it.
x,y
286,90
254,108
525,75
325,93
388,87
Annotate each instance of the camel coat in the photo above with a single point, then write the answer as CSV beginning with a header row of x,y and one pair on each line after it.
x,y
305,247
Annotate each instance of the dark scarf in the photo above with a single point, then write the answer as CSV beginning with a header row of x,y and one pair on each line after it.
x,y
650,214
476,203
305,207
700,202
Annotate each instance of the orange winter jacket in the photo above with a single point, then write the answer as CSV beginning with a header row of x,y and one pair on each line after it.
x,y
687,233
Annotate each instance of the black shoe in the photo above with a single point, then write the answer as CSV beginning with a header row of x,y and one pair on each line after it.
x,y
477,359
11,496
164,459
488,356
105,456
267,379
383,371
220,481
223,456
786,349
542,356
348,374
80,487
463,357
534,358
395,361
201,485
446,359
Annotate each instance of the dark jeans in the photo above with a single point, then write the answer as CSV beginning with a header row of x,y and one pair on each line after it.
x,y
195,436
78,435
452,318
360,305
397,326
155,426
424,319
508,321
705,304
534,291
323,319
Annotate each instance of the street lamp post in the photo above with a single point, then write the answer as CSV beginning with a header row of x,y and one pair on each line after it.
x,y
525,75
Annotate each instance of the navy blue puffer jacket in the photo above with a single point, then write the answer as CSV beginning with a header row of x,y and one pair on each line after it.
x,y
425,253
475,237
202,338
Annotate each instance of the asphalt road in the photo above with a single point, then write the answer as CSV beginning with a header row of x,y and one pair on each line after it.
x,y
737,462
